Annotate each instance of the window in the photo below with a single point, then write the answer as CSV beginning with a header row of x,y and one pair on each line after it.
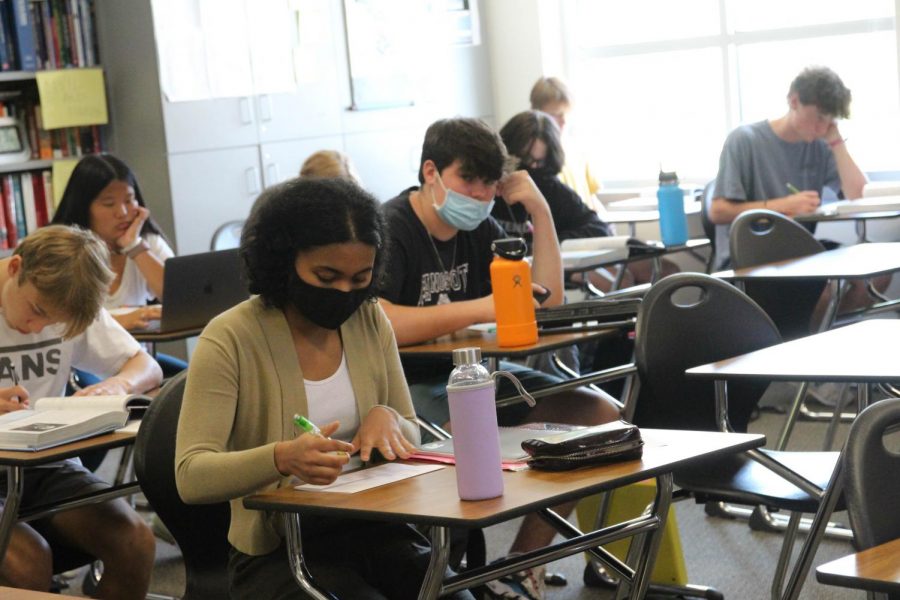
x,y
657,82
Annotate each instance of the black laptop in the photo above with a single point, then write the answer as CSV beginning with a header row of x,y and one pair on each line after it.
x,y
198,287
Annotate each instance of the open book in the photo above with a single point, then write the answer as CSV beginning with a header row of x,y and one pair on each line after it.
x,y
55,421
511,439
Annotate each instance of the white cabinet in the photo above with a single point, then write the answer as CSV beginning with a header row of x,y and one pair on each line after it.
x,y
281,160
209,188
210,124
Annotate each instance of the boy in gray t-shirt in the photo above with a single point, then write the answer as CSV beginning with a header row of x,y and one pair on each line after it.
x,y
764,164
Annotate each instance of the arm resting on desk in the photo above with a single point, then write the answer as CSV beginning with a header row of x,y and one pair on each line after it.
x,y
415,324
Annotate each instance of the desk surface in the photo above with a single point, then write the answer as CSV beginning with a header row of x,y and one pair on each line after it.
x,y
33,459
859,216
581,260
848,262
876,569
8,593
824,356
464,338
155,335
432,499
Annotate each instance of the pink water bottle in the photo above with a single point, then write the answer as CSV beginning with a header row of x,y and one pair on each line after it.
x,y
473,418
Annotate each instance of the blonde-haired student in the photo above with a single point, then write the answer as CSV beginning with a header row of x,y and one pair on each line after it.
x,y
51,297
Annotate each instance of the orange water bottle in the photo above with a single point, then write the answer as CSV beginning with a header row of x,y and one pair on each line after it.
x,y
513,304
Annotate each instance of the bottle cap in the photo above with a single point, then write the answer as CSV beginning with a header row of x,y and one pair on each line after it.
x,y
466,356
668,177
510,248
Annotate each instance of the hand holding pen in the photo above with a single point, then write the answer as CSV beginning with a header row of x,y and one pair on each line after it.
x,y
313,456
13,398
799,202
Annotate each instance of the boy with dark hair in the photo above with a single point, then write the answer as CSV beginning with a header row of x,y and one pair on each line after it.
x,y
51,297
438,282
789,164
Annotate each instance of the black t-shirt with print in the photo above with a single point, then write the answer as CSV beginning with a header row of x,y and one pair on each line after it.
x,y
424,271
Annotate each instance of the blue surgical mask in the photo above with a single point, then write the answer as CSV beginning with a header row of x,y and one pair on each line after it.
x,y
460,211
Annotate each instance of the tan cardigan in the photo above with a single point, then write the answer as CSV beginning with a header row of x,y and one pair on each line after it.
x,y
244,386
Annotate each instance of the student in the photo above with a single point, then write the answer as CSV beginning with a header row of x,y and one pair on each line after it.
x,y
103,195
51,295
551,95
803,149
314,343
329,163
440,239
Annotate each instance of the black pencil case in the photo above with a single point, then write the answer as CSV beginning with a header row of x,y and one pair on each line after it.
x,y
611,442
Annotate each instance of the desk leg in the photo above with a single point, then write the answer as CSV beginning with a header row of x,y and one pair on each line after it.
x,y
437,566
816,532
15,484
295,556
645,546
861,231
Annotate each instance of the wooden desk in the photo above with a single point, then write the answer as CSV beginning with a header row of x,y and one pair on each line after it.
x,y
861,261
8,593
153,334
876,569
444,346
16,463
431,499
820,357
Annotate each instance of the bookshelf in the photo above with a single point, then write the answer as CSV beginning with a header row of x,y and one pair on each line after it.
x,y
36,36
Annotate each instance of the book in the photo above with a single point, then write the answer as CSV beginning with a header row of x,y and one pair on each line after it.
x,y
24,35
55,421
863,205
511,439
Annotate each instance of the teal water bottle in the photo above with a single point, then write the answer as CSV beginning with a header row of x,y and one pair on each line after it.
x,y
672,222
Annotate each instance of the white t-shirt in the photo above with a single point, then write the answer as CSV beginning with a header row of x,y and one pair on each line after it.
x,y
133,289
332,399
43,360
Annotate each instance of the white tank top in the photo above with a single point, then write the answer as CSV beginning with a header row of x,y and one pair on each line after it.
x,y
332,399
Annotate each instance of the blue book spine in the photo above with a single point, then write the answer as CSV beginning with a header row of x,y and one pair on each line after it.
x,y
20,206
5,59
24,35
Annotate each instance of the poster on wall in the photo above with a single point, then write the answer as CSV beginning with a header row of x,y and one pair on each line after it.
x,y
382,51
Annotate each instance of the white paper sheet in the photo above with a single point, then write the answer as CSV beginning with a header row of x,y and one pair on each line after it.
x,y
365,479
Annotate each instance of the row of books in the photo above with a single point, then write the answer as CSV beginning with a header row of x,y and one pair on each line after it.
x,y
27,200
47,34
68,142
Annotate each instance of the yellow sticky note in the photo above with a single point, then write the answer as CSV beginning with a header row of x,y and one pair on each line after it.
x,y
72,97
62,170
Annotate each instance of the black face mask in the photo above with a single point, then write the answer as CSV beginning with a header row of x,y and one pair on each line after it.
x,y
326,307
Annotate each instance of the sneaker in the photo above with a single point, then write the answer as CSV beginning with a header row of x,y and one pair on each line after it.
x,y
527,584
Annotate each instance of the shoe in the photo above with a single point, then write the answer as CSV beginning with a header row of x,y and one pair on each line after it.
x,y
527,584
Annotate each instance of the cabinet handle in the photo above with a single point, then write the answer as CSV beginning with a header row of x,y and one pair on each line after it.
x,y
246,111
252,177
265,108
273,174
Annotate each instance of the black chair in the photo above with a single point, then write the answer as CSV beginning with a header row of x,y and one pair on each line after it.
x,y
763,236
200,530
690,319
709,228
866,462
227,235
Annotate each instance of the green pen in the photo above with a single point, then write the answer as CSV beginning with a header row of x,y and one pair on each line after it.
x,y
792,188
306,425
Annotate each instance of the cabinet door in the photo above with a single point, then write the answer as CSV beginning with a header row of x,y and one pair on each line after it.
x,y
388,161
313,111
210,188
210,124
281,160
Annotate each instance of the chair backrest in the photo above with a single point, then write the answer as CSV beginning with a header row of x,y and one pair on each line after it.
x,y
200,530
870,473
673,335
763,236
227,235
709,228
